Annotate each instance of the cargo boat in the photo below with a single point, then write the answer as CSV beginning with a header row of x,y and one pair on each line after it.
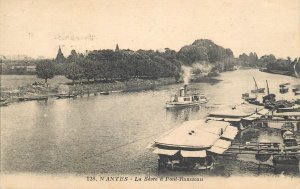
x,y
283,88
240,115
286,159
257,90
194,145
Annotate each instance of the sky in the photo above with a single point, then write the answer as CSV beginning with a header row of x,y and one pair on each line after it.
x,y
38,27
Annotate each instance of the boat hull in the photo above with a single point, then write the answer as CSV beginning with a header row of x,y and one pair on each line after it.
x,y
186,163
4,103
286,163
285,160
104,93
33,98
63,96
260,90
170,105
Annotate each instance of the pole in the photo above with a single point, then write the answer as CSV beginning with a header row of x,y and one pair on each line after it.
x,y
256,87
268,87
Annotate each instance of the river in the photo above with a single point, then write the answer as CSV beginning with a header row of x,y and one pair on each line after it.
x,y
109,134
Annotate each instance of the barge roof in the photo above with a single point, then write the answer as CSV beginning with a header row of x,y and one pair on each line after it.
x,y
237,111
197,134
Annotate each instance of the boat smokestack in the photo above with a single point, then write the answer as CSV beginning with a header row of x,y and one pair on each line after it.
x,y
182,91
185,89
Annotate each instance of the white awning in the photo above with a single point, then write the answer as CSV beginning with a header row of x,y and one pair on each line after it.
x,y
263,112
231,129
249,118
193,134
229,135
222,144
286,113
252,117
165,152
256,115
217,150
232,119
201,153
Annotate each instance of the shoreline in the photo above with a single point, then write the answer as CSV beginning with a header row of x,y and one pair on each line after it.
x,y
42,92
32,92
280,72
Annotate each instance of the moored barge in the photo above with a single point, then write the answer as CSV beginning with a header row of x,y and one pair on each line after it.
x,y
200,143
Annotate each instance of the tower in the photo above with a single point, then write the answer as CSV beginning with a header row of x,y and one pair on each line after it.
x,y
60,58
117,47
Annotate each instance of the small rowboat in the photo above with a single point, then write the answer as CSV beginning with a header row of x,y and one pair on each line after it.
x,y
104,93
63,96
3,102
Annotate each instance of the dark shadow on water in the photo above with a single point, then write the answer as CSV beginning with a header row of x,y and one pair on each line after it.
x,y
212,81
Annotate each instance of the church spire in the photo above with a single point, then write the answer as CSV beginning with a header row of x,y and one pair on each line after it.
x,y
117,47
60,58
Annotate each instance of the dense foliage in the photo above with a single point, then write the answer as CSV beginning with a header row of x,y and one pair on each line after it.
x,y
270,63
109,65
45,70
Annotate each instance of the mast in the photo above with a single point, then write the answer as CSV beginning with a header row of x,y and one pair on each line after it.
x,y
267,87
256,87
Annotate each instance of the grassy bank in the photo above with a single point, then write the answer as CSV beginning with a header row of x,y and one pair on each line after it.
x,y
132,85
15,87
281,72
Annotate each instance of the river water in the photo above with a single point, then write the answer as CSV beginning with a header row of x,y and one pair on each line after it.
x,y
109,134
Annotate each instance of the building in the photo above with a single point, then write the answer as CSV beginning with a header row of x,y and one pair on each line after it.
x,y
60,58
117,47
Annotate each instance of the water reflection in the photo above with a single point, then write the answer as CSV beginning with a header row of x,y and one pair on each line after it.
x,y
182,113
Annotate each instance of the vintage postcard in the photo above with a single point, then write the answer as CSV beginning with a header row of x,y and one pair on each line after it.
x,y
150,94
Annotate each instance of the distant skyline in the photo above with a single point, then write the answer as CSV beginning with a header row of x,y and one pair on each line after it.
x,y
38,28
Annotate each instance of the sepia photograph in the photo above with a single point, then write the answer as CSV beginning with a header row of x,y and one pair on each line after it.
x,y
100,94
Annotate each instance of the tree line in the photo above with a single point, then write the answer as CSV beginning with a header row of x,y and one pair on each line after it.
x,y
110,65
270,62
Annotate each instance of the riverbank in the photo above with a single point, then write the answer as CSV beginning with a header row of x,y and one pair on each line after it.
x,y
62,86
280,72
22,88
133,85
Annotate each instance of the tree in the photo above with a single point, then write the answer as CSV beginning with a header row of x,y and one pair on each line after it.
x,y
45,70
73,71
267,60
73,57
89,69
193,53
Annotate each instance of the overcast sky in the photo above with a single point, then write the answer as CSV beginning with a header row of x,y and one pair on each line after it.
x,y
38,27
